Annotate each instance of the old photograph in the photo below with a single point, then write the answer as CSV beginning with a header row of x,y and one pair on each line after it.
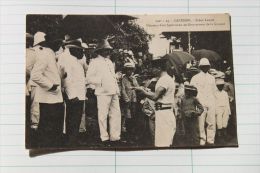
x,y
129,82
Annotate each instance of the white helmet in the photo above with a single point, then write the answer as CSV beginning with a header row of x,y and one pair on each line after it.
x,y
38,38
204,61
130,53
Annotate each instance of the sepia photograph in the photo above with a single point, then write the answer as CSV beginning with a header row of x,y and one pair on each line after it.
x,y
129,82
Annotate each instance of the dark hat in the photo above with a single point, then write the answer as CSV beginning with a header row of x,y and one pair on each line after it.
x,y
158,62
73,44
190,87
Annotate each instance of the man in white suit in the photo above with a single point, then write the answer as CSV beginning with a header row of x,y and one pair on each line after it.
x,y
101,73
73,81
46,75
165,122
205,83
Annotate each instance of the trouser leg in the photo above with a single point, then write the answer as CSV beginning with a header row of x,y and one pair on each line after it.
x,y
35,109
195,132
82,127
114,119
103,104
225,119
123,114
152,128
27,123
219,118
188,130
211,125
201,123
165,127
50,124
73,118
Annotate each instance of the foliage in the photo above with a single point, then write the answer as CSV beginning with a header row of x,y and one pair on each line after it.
x,y
126,35
44,23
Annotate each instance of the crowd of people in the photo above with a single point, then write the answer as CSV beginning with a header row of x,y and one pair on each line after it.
x,y
135,101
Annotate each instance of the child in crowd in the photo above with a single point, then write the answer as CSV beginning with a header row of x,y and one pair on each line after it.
x,y
191,108
129,99
222,108
149,107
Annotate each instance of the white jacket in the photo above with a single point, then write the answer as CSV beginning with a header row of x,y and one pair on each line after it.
x,y
222,101
45,74
74,82
101,73
206,86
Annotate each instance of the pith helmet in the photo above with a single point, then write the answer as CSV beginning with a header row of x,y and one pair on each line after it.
x,y
204,61
38,38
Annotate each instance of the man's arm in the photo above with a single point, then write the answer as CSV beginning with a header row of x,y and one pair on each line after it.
x,y
68,80
91,75
124,94
227,103
159,92
199,107
37,73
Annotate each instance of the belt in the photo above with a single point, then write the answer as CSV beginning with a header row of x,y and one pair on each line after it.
x,y
159,106
163,108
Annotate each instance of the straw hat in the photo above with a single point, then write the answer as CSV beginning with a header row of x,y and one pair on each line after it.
x,y
103,45
190,87
74,44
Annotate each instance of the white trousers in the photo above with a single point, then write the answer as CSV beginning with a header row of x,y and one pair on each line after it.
x,y
35,109
109,110
222,117
165,127
208,117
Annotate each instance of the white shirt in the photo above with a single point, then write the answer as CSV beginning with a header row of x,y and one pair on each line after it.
x,y
30,61
168,83
101,73
74,82
206,86
84,64
222,100
45,74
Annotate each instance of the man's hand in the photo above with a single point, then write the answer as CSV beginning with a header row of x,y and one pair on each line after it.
x,y
54,87
141,89
65,75
131,78
74,100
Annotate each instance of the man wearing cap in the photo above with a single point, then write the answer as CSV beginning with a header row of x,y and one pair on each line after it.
x,y
101,73
205,83
46,75
191,109
31,86
129,99
73,79
222,108
32,107
165,122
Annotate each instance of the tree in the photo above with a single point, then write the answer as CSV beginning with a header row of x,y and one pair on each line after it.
x,y
122,29
43,23
133,37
